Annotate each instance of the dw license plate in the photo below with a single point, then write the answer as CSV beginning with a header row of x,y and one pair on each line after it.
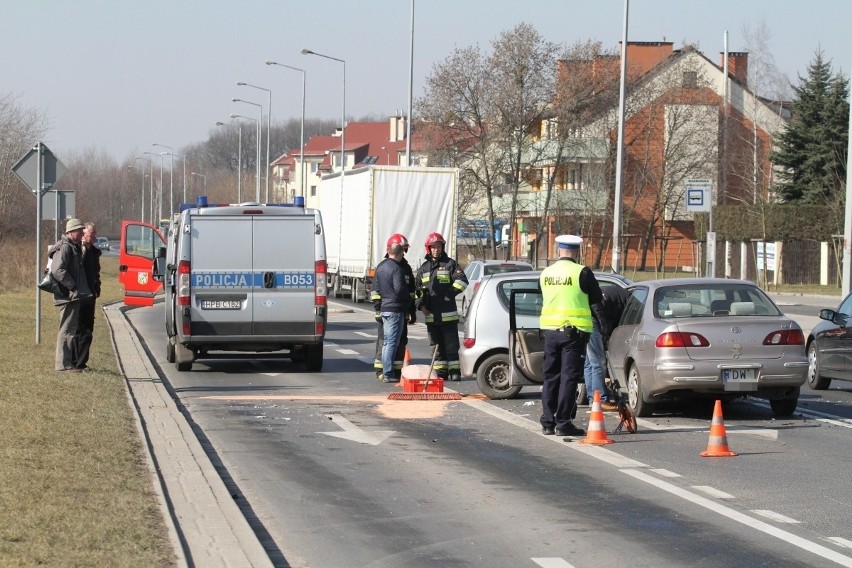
x,y
220,304
740,379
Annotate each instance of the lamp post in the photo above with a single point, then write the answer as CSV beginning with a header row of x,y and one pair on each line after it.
x,y
204,177
159,190
259,122
239,160
182,157
343,118
302,132
171,176
268,128
257,175
137,158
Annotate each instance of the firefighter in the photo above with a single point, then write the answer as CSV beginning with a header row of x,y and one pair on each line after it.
x,y
439,280
411,312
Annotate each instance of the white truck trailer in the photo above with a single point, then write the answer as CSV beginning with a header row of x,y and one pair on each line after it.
x,y
371,204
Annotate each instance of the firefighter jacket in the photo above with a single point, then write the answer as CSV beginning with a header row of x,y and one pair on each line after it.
x,y
438,282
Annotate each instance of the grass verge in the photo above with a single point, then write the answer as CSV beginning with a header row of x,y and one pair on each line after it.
x,y
76,490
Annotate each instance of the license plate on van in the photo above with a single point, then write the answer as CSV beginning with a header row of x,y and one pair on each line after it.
x,y
220,304
740,379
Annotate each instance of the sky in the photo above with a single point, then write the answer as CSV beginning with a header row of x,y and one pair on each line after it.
x,y
121,75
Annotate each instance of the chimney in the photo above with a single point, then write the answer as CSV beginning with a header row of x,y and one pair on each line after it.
x,y
397,127
737,65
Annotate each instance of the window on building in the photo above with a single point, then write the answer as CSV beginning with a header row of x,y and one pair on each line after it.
x,y
314,166
690,79
313,191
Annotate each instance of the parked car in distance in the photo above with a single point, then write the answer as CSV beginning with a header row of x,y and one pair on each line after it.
x,y
479,269
102,243
696,338
484,352
829,347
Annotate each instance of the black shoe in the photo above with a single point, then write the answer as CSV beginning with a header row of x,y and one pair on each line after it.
x,y
548,430
570,430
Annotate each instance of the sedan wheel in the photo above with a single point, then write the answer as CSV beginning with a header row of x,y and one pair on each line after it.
x,y
634,394
785,406
815,380
492,376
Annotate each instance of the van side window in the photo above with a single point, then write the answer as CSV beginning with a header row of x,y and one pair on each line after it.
x,y
142,241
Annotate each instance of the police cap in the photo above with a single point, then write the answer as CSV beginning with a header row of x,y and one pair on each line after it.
x,y
569,241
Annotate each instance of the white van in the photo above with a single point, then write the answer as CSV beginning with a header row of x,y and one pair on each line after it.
x,y
243,278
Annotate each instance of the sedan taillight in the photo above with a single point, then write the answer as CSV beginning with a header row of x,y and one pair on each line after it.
x,y
469,342
681,339
785,337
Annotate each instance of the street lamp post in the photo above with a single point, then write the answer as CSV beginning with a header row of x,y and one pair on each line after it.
x,y
239,160
257,175
343,118
204,177
171,176
259,122
160,189
137,158
268,128
302,133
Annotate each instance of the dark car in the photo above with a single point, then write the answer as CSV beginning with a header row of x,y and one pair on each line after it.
x,y
829,347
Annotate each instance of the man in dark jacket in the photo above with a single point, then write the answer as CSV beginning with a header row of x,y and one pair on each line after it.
x,y
439,280
66,265
375,297
86,319
390,285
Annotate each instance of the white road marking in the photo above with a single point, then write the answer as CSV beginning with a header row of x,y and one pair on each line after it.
x,y
840,541
742,518
363,334
552,563
347,352
773,516
770,433
713,492
816,414
665,472
356,434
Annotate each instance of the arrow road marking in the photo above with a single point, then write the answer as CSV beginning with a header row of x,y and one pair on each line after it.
x,y
356,434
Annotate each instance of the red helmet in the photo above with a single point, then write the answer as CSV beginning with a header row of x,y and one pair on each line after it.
x,y
434,239
397,239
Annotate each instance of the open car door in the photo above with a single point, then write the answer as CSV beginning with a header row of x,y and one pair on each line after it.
x,y
526,342
140,243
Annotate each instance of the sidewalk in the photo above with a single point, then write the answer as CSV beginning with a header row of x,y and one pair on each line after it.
x,y
206,526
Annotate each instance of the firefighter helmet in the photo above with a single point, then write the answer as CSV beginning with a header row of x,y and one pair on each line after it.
x,y
397,239
434,239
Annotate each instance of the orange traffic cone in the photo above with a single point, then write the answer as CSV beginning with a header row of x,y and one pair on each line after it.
x,y
596,434
406,359
717,447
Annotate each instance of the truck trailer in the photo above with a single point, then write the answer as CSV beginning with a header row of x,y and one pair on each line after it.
x,y
368,205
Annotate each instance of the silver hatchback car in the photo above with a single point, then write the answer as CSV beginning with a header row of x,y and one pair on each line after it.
x,y
694,337
484,352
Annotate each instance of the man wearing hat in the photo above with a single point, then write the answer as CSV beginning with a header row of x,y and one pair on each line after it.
x,y
67,267
569,292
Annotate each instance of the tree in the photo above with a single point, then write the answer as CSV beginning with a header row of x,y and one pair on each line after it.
x,y
20,128
812,151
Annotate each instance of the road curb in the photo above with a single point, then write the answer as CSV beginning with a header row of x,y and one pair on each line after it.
x,y
206,526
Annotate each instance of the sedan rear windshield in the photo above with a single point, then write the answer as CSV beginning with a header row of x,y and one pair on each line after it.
x,y
503,268
716,300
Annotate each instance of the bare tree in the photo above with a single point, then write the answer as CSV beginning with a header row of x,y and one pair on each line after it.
x,y
20,128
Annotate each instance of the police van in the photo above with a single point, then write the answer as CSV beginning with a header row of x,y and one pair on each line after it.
x,y
246,278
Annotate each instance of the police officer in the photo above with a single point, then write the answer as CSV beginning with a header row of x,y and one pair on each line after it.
x,y
569,292
439,280
411,312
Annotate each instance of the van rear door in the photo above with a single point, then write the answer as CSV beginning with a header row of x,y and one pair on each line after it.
x,y
140,243
284,268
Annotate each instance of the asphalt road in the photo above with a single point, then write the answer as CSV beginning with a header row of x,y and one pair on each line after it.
x,y
330,472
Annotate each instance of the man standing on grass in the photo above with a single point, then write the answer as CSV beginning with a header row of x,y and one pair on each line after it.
x,y
86,319
66,264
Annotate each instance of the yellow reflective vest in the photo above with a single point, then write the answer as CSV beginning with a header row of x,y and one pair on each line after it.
x,y
564,303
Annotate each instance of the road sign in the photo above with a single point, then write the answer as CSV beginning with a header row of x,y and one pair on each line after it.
x,y
698,195
62,199
27,169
